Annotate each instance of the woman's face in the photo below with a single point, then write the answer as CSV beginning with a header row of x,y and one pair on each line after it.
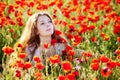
x,y
45,26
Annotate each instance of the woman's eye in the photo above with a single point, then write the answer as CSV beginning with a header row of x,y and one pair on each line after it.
x,y
42,23
50,21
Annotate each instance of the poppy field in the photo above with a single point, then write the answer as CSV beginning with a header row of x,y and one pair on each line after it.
x,y
90,26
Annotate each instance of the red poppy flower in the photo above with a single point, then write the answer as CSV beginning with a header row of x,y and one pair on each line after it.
x,y
29,12
118,64
118,39
11,22
62,40
37,74
111,64
106,72
31,4
62,77
93,39
70,36
118,1
95,66
106,21
95,60
18,60
22,55
55,59
60,4
11,9
117,28
66,66
91,27
101,27
2,6
39,78
27,65
76,73
46,45
52,3
117,19
19,45
39,66
87,54
70,76
118,57
20,64
71,52
104,59
36,59
20,23
57,32
68,48
7,50
53,41
102,34
72,28
106,38
117,51
18,73
19,18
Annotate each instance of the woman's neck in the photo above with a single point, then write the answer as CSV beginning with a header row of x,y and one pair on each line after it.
x,y
45,39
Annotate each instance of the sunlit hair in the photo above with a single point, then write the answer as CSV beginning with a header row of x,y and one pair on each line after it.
x,y
29,35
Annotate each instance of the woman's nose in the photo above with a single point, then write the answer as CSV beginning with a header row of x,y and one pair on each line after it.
x,y
47,24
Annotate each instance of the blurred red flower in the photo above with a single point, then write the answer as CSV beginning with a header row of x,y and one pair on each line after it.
x,y
118,1
95,66
111,64
104,59
61,77
22,55
53,41
29,12
71,52
10,9
37,74
46,45
118,39
106,72
39,66
117,28
58,32
37,59
94,60
8,50
18,73
55,59
117,51
27,65
93,39
66,66
70,76
118,64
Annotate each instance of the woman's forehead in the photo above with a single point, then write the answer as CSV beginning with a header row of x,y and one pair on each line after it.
x,y
43,18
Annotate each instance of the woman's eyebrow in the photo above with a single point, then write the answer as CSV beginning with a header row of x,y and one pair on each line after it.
x,y
41,20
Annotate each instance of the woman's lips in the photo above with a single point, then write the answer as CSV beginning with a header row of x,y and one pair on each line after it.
x,y
48,29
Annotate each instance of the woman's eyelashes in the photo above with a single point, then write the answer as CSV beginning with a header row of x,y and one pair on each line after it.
x,y
50,21
44,22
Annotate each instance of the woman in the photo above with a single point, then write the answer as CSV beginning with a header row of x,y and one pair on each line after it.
x,y
38,31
